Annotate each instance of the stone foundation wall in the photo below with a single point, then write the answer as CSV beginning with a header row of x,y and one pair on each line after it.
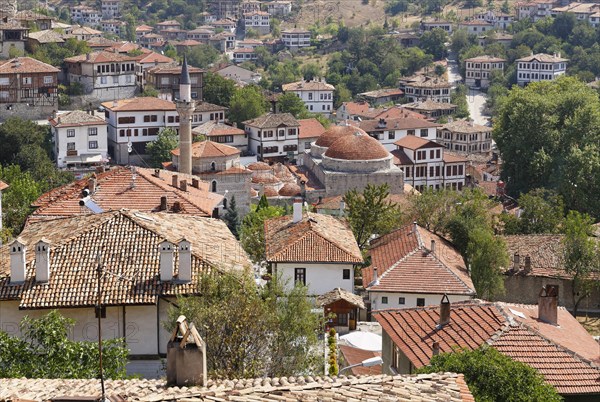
x,y
340,183
26,112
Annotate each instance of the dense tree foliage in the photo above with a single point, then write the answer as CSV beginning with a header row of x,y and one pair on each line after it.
x,y
542,211
492,376
232,218
202,56
217,89
548,135
247,103
160,149
55,54
45,350
252,232
370,212
254,332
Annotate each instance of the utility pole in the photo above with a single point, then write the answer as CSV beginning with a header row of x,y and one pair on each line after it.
x,y
99,316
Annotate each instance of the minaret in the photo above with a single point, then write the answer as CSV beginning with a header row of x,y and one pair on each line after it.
x,y
185,108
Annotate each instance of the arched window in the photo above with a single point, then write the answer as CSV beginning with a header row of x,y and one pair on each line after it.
x,y
213,186
213,166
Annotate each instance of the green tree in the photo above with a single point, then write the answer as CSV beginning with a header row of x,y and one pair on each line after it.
x,y
253,332
252,232
434,42
160,149
15,133
150,92
492,376
432,209
581,256
247,103
202,56
23,190
33,159
560,151
218,90
470,212
487,257
311,71
542,212
291,103
370,212
341,94
459,98
55,54
47,339
505,8
232,218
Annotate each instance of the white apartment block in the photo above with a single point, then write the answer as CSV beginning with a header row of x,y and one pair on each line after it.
x,y
259,21
388,131
476,27
280,8
478,70
498,20
426,164
104,75
111,9
115,27
428,25
86,15
535,10
465,137
243,54
316,95
296,38
540,67
273,136
80,140
583,12
421,88
133,123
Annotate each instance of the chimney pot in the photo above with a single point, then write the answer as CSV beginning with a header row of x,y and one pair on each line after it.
x,y
156,172
92,185
297,210
436,348
166,249
548,304
183,185
415,226
444,311
174,180
42,261
516,262
432,248
527,264
185,261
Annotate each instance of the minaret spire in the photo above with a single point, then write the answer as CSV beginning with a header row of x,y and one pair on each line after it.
x,y
185,108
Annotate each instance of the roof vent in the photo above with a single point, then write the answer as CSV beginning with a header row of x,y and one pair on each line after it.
x,y
17,261
42,261
185,260
548,304
166,249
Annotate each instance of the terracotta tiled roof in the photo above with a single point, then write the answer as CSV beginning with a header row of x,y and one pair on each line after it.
x,y
396,124
258,166
172,70
266,178
565,354
382,93
271,120
153,57
21,65
429,105
545,252
358,146
77,118
310,128
395,112
47,36
101,56
414,142
307,86
400,157
129,242
333,203
139,104
356,108
3,185
214,128
405,263
290,190
450,157
356,356
543,57
448,387
340,294
317,238
209,149
114,191
208,107
486,59
86,31
143,28
467,127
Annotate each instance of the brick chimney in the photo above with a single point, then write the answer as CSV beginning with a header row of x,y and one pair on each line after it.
x,y
548,304
444,311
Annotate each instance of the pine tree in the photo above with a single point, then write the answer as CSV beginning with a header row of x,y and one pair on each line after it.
x,y
232,218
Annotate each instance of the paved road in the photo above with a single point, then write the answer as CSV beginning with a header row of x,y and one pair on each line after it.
x,y
476,101
453,71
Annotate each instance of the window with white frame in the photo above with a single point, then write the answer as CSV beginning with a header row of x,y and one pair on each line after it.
x,y
48,79
93,145
70,133
92,130
26,80
70,146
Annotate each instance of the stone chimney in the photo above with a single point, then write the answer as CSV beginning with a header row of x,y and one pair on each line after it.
x,y
183,185
432,248
163,203
297,210
174,180
444,311
375,277
527,264
435,348
42,261
166,249
92,185
185,260
516,262
195,183
548,304
156,172
17,260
